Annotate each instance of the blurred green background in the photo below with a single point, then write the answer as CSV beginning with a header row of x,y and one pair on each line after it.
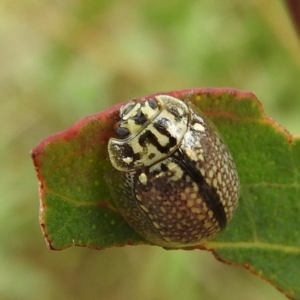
x,y
63,60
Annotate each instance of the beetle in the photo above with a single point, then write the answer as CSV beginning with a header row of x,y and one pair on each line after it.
x,y
174,179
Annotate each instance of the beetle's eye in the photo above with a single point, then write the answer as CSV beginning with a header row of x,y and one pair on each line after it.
x,y
122,133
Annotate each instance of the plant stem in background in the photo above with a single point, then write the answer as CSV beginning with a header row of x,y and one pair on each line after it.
x,y
294,8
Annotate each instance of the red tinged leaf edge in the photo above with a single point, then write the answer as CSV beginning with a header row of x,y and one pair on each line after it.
x,y
109,117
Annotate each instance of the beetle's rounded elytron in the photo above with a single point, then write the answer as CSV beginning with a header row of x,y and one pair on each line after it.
x,y
174,180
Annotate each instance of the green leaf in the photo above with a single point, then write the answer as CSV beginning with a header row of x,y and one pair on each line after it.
x,y
76,208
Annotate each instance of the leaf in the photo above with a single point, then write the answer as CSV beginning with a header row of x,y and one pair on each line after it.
x,y
263,236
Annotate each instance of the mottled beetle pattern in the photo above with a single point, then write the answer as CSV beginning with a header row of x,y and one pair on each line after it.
x,y
174,180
